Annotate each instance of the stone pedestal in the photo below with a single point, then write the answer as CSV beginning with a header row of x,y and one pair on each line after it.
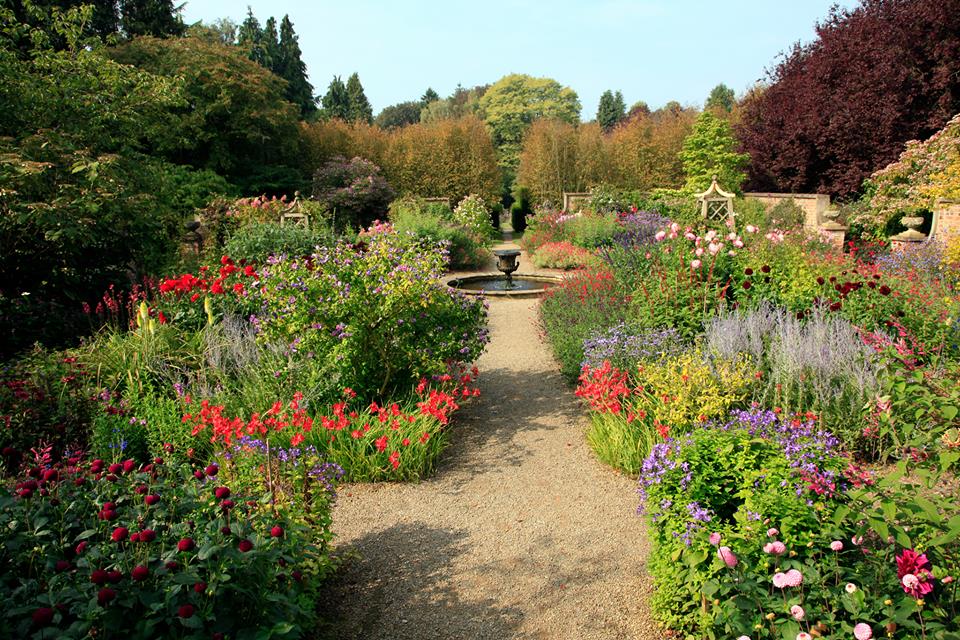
x,y
911,236
834,234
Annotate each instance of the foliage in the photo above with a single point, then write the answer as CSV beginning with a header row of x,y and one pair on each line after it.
x,y
633,410
413,218
548,163
511,105
254,243
377,316
234,121
611,110
336,101
709,151
721,99
399,115
451,158
925,172
564,255
162,549
592,230
353,190
585,302
471,213
360,109
888,65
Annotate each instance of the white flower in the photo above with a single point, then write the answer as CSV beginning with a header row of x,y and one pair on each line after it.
x,y
850,587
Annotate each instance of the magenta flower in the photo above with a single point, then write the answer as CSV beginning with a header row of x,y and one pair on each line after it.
x,y
714,538
913,569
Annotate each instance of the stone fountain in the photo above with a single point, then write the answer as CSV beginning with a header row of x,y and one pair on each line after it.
x,y
508,261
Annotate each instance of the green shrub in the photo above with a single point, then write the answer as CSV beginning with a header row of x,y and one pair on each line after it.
x,y
255,242
591,230
518,217
465,249
786,214
472,215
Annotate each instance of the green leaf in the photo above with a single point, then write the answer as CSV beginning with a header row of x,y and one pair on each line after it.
x,y
207,550
709,588
949,412
83,535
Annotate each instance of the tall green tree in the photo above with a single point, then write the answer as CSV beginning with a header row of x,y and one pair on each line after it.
x,y
250,36
290,67
150,18
711,150
271,44
721,98
429,96
336,102
515,101
611,111
359,109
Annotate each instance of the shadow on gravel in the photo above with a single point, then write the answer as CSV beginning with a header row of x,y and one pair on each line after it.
x,y
511,402
398,587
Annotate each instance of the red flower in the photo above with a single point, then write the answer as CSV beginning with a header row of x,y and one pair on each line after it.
x,y
105,595
140,573
99,576
199,587
80,547
381,443
114,576
119,534
245,545
276,532
226,505
115,468
185,611
61,566
222,493
43,616
128,466
212,470
185,544
148,535
424,437
152,499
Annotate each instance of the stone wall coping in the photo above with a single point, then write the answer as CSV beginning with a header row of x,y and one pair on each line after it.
x,y
795,196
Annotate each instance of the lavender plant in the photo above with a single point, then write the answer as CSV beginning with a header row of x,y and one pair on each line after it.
x,y
625,347
816,364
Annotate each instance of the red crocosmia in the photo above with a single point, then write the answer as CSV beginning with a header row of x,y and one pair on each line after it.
x,y
185,611
222,493
356,434
185,544
238,287
276,532
140,573
249,271
151,499
119,534
105,596
395,459
406,442
424,437
43,616
148,535
199,587
381,443
98,576
162,319
245,545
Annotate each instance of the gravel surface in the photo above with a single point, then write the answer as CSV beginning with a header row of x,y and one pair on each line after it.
x,y
520,534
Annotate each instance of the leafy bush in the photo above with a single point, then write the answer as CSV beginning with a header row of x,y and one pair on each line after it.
x,y
563,255
592,230
472,214
162,549
431,223
585,302
378,315
633,410
786,214
521,209
353,190
255,242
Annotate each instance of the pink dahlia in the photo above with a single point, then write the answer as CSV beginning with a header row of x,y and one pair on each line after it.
x,y
836,545
779,580
776,548
797,612
714,538
913,569
793,578
728,557
862,631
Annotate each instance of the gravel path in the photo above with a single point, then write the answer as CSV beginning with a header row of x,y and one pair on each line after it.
x,y
520,534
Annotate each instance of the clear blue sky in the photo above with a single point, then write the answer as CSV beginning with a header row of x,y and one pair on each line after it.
x,y
651,50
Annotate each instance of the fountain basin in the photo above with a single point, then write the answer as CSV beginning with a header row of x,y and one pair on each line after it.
x,y
521,285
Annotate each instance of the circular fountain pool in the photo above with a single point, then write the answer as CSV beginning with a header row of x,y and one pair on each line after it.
x,y
495,284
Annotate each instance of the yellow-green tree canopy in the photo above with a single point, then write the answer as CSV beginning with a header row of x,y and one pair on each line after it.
x,y
514,102
710,150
